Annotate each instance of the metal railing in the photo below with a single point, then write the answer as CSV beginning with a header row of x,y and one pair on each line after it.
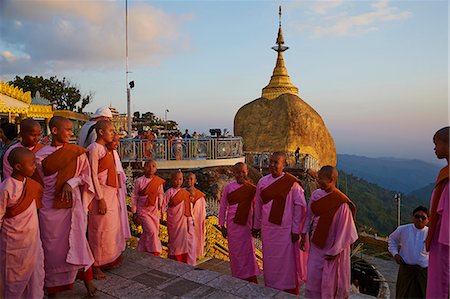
x,y
138,150
303,161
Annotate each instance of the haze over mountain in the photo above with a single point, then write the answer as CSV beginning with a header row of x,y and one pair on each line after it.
x,y
404,175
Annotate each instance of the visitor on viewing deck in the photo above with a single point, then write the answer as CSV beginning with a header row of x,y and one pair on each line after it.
x,y
104,225
122,189
438,238
8,136
412,257
334,231
147,202
68,191
186,134
235,220
198,200
30,133
279,214
21,253
180,224
87,133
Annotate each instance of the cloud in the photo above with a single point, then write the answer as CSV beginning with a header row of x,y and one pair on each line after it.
x,y
41,36
341,24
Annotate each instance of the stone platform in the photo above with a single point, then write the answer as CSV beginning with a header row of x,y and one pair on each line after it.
x,y
145,276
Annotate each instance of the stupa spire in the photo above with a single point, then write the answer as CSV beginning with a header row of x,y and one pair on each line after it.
x,y
280,83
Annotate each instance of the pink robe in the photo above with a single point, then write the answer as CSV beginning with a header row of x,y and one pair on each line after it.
x,y
104,231
63,231
330,278
22,256
281,257
241,245
438,263
199,215
124,224
150,216
181,230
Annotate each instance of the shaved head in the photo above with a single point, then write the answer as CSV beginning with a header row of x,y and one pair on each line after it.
x,y
280,155
238,165
442,134
17,155
28,125
191,174
57,121
329,172
175,174
102,125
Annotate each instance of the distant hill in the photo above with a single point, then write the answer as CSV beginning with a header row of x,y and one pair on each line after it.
x,y
376,206
403,175
423,193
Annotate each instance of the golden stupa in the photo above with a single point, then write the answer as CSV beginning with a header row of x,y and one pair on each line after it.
x,y
281,121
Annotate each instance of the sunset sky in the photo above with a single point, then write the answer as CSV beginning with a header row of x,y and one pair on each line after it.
x,y
376,71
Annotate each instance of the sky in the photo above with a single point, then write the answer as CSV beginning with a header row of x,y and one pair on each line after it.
x,y
376,71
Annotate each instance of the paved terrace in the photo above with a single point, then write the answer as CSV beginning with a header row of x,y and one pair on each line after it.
x,y
145,276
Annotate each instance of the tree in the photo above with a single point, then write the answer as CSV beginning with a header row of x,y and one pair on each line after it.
x,y
62,93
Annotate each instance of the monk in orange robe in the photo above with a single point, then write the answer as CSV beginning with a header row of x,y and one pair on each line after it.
x,y
104,224
21,253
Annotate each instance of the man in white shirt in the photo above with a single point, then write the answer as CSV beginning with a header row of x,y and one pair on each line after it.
x,y
412,257
87,133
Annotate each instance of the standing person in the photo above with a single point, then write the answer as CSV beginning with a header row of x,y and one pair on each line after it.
x,y
186,134
178,146
195,144
334,231
412,257
22,256
198,200
104,225
297,156
30,133
147,201
279,213
68,191
8,136
180,224
87,133
235,219
438,239
122,186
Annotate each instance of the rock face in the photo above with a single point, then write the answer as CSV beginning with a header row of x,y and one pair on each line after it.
x,y
283,124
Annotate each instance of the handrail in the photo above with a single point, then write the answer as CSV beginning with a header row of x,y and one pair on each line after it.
x,y
302,161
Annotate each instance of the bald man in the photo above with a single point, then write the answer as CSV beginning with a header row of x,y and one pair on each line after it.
x,y
279,214
30,133
332,215
68,191
438,238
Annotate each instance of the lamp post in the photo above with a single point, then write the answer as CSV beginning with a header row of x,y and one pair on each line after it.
x,y
165,117
397,199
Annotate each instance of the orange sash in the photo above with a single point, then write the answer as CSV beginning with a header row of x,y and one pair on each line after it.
x,y
151,190
38,147
441,181
108,163
64,162
182,196
326,207
197,195
32,190
278,192
243,197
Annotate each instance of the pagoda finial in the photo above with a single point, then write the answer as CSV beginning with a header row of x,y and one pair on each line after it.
x,y
279,82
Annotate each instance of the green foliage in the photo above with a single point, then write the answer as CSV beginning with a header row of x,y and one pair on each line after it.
x,y
376,208
61,92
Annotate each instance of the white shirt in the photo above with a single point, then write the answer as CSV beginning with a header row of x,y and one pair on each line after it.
x,y
84,139
412,244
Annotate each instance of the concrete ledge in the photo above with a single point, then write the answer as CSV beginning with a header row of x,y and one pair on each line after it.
x,y
188,164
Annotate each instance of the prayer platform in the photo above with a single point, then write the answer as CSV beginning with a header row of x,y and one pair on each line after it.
x,y
145,276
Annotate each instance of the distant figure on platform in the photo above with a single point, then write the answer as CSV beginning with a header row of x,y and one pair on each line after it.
x,y
68,191
180,224
104,224
186,134
30,133
147,202
87,133
21,253
334,231
279,213
198,199
412,257
438,239
297,156
235,219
